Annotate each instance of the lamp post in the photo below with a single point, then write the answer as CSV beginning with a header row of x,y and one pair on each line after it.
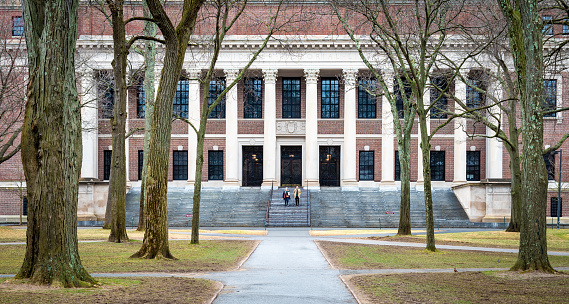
x,y
560,152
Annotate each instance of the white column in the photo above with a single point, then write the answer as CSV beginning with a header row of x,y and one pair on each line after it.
x,y
387,137
194,118
270,129
494,157
312,173
89,121
350,115
126,126
427,103
231,143
460,134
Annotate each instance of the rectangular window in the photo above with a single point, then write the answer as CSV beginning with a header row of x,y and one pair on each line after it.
x,y
397,166
549,96
437,165
330,98
366,165
140,163
549,160
25,205
474,98
291,98
253,98
399,102
215,165
547,24
472,165
107,158
106,93
367,98
181,98
17,26
140,102
554,207
439,99
566,26
180,165
216,86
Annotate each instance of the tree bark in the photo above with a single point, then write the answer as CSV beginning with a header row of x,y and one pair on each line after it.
x,y
405,165
117,192
155,243
515,191
195,238
51,146
426,151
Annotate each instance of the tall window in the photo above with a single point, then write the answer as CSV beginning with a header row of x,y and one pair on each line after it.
x,y
367,103
438,94
474,98
366,165
472,165
330,98
565,26
216,86
215,165
253,98
549,159
106,93
547,24
181,98
437,165
291,98
140,163
140,102
553,207
399,97
107,158
549,96
17,26
397,166
180,165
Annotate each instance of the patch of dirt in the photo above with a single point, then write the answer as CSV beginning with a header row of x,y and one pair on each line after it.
x,y
130,291
474,287
412,239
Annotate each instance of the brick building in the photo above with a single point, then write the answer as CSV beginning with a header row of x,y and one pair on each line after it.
x,y
302,116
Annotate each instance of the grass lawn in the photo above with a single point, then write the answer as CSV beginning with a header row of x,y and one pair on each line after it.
x,y
557,240
356,256
114,290
212,255
473,287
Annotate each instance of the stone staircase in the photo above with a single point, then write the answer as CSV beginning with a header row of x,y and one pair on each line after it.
x,y
291,215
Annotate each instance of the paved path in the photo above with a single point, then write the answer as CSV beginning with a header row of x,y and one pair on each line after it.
x,y
287,267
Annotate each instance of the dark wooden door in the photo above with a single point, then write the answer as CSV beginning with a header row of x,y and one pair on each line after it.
x,y
252,166
291,166
330,166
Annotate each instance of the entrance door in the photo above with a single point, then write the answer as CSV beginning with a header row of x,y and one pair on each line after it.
x,y
330,166
252,166
291,166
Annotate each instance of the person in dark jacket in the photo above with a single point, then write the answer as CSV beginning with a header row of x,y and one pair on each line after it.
x,y
286,196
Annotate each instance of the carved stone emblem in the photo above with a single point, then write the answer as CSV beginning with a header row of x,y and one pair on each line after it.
x,y
291,127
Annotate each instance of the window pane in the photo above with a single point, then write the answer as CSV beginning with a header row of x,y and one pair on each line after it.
x,y
397,166
106,93
291,98
180,165
438,165
472,165
107,158
367,103
140,102
399,101
253,98
474,98
215,165
439,97
547,25
549,96
366,165
17,26
181,99
549,159
216,86
140,163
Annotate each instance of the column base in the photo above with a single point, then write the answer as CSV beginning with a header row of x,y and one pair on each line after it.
x,y
349,185
388,185
312,184
420,186
231,185
267,184
458,182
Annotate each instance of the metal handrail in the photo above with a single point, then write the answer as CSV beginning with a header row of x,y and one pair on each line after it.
x,y
268,205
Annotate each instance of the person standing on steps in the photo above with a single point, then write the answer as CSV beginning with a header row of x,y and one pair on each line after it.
x,y
286,196
296,195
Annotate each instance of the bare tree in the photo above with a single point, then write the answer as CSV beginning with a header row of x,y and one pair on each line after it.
x,y
51,146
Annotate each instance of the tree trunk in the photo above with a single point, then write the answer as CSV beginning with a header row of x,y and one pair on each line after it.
x,y
109,208
426,151
51,146
533,242
149,77
405,165
515,192
195,239
117,192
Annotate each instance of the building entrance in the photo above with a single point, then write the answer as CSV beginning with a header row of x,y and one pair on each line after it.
x,y
330,166
291,166
252,166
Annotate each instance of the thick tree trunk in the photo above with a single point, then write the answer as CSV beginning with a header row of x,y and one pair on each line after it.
x,y
117,192
426,151
533,242
51,146
149,77
515,192
405,165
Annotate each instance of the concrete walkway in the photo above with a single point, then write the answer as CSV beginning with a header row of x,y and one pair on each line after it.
x,y
286,267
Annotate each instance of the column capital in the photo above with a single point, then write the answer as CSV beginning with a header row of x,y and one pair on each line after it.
x,y
270,75
350,76
230,74
311,75
194,74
